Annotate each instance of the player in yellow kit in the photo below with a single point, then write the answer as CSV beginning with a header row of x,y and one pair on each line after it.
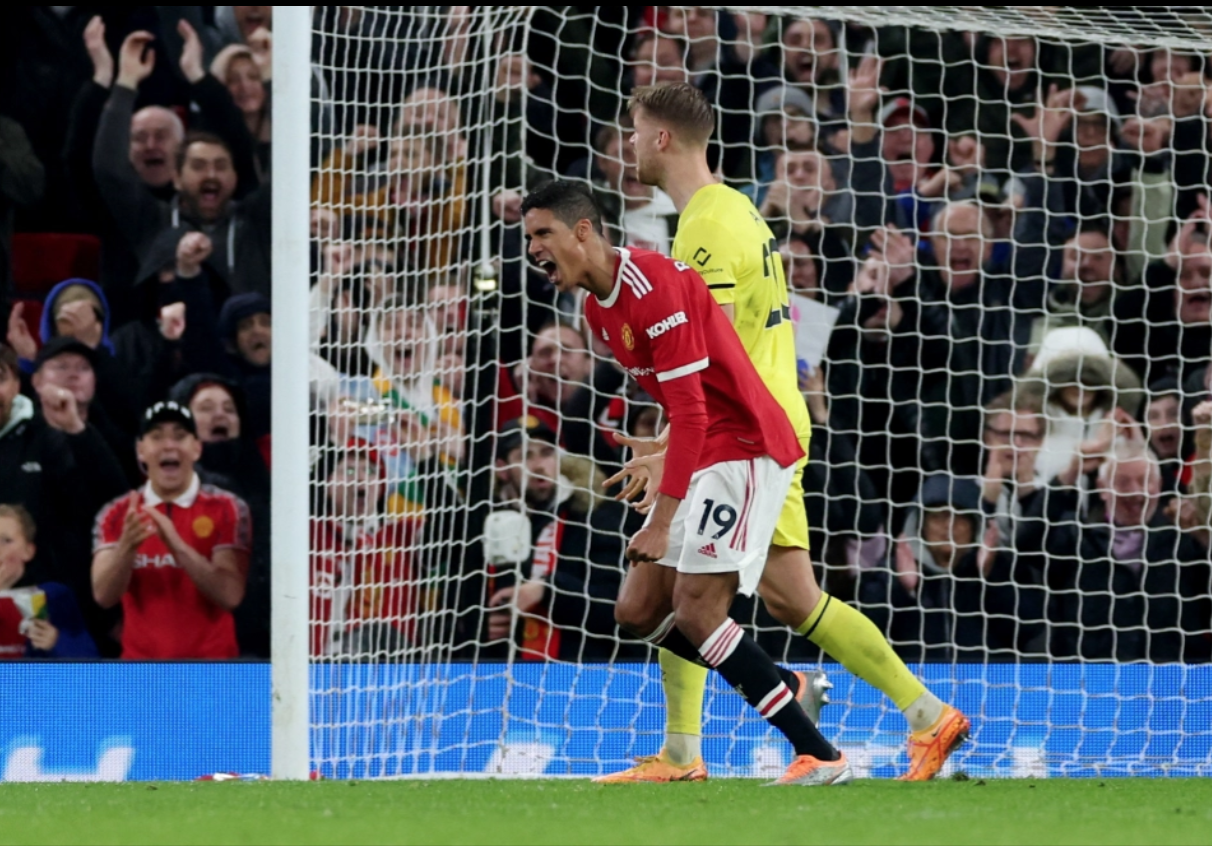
x,y
724,238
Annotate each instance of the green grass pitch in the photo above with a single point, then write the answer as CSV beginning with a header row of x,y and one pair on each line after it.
x,y
572,812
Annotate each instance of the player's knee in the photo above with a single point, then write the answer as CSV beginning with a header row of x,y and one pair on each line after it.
x,y
637,617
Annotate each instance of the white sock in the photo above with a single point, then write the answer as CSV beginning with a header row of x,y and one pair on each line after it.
x,y
924,712
682,750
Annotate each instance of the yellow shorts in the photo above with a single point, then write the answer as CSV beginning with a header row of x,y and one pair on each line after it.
x,y
791,532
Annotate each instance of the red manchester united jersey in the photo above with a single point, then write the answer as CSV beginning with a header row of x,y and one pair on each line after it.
x,y
165,616
667,331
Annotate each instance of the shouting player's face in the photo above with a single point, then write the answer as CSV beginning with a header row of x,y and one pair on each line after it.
x,y
556,249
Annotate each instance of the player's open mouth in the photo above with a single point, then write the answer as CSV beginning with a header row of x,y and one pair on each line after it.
x,y
170,464
551,269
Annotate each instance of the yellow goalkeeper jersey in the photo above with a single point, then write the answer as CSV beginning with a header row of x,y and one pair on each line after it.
x,y
723,237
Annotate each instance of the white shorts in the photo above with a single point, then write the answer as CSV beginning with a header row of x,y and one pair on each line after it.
x,y
727,521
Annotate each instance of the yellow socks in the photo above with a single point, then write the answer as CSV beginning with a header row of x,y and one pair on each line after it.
x,y
684,683
854,642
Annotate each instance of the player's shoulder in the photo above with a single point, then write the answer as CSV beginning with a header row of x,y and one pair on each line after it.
x,y
113,508
640,269
722,205
212,496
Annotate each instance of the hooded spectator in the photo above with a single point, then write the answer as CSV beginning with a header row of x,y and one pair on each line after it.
x,y
246,330
23,183
42,621
943,596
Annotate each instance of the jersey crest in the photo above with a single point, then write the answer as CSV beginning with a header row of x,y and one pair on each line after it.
x,y
628,338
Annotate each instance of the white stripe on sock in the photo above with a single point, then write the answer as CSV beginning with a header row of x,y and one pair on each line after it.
x,y
720,646
662,631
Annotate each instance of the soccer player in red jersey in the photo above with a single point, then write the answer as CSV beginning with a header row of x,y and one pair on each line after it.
x,y
174,553
731,457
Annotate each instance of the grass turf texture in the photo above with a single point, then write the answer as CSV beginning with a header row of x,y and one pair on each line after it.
x,y
571,812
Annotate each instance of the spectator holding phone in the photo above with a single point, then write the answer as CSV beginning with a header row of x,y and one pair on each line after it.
x,y
38,622
174,553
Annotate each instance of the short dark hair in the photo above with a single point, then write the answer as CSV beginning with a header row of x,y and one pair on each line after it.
x,y
570,202
9,361
679,104
193,138
1100,225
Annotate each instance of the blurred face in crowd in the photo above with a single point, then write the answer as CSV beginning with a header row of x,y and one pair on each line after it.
x,y
541,473
907,149
948,535
809,52
414,161
16,551
810,177
1194,295
1089,261
1012,61
609,159
1168,65
246,85
252,18
1096,137
216,415
448,308
155,138
71,372
1013,440
961,245
559,364
1165,426
169,452
429,111
656,60
10,386
207,181
693,23
800,267
790,129
355,488
1130,492
403,333
255,339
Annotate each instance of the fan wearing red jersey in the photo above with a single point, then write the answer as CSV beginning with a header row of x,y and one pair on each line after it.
x,y
175,553
731,458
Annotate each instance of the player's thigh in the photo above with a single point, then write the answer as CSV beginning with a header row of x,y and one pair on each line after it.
x,y
733,508
791,531
789,588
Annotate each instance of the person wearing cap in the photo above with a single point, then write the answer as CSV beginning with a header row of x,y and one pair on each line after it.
x,y
61,471
785,121
67,365
946,595
175,553
566,603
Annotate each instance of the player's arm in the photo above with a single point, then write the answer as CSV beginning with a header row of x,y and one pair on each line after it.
x,y
120,531
715,254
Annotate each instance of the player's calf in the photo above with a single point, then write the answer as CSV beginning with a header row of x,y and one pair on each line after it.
x,y
645,603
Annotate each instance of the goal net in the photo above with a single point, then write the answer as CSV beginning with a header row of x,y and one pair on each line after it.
x,y
996,230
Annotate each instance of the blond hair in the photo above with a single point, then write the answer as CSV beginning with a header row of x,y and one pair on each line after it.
x,y
23,519
678,104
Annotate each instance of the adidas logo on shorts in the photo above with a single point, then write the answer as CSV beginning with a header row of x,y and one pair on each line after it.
x,y
709,551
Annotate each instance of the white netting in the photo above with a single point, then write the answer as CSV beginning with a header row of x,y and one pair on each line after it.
x,y
998,239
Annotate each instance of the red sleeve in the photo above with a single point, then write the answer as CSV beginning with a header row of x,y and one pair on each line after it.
x,y
107,531
679,356
236,530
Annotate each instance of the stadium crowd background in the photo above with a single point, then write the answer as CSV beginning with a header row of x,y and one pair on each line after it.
x,y
1013,421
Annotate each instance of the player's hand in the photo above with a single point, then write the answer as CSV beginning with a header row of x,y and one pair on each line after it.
x,y
644,476
42,635
649,546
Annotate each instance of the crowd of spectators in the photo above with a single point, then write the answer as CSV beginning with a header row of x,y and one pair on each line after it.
x,y
1012,446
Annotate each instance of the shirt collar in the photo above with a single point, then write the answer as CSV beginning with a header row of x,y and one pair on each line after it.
x,y
624,260
186,500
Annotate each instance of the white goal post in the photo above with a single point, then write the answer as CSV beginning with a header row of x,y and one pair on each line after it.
x,y
443,555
